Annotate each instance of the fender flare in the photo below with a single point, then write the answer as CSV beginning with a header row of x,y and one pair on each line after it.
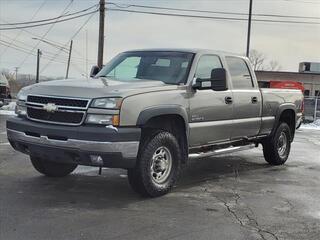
x,y
281,109
157,111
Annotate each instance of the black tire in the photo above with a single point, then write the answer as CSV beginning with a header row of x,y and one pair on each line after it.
x,y
52,169
272,151
142,178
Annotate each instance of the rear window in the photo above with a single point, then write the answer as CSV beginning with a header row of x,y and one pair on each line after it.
x,y
240,74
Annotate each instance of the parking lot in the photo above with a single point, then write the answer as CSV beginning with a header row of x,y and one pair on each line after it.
x,y
237,196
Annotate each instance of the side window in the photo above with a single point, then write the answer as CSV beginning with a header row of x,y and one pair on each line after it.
x,y
127,69
206,64
240,74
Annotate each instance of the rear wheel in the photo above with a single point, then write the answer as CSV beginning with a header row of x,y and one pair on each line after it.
x,y
158,165
276,148
52,169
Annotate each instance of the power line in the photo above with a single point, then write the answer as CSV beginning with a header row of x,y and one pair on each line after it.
x,y
48,19
53,45
210,17
19,33
45,34
296,1
44,24
19,49
60,61
73,36
38,36
28,48
15,40
207,11
31,33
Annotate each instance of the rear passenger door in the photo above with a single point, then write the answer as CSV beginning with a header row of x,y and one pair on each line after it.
x,y
246,99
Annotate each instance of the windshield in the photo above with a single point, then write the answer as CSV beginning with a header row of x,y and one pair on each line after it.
x,y
168,67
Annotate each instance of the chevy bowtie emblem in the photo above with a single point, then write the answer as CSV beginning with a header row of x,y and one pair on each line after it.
x,y
50,107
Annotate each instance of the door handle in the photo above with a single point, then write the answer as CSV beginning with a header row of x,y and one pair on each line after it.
x,y
254,99
228,100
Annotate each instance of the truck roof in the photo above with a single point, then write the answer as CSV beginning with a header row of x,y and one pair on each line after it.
x,y
188,50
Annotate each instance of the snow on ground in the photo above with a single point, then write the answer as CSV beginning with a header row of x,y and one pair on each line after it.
x,y
6,112
314,125
8,109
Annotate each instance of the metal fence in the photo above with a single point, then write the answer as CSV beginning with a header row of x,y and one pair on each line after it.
x,y
311,108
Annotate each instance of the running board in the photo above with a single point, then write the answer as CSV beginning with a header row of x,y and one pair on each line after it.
x,y
221,151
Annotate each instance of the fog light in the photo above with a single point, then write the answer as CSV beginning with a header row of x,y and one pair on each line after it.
x,y
99,119
103,119
96,160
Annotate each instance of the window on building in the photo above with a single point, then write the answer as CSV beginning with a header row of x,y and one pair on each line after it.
x,y
240,74
306,92
317,93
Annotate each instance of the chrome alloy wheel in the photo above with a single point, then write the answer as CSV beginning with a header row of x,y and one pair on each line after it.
x,y
161,165
282,144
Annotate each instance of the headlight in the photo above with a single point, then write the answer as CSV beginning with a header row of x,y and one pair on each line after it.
x,y
103,119
109,103
21,109
22,95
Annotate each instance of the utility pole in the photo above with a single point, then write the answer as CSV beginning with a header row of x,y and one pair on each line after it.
x,y
101,33
87,72
69,59
38,65
16,70
249,29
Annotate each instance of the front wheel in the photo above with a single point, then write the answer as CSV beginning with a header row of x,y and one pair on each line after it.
x,y
158,165
276,148
52,169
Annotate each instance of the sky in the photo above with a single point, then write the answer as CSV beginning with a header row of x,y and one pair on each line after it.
x,y
288,44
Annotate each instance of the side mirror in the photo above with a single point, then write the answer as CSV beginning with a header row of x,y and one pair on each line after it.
x,y
94,70
219,79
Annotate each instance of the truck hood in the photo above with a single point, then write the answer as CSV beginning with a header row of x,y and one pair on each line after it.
x,y
96,87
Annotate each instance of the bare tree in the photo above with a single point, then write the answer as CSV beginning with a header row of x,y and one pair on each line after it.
x,y
260,62
7,74
257,59
274,65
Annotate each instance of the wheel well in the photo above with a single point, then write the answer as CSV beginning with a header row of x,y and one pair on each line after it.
x,y
288,116
172,123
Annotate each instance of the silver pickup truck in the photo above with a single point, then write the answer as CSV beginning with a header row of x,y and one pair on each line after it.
x,y
149,111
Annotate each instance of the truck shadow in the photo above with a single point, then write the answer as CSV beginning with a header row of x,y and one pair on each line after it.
x,y
214,168
88,190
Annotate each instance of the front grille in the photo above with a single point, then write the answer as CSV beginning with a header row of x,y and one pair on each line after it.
x,y
68,111
58,117
68,102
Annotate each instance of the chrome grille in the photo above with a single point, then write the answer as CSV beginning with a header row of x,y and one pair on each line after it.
x,y
66,111
69,102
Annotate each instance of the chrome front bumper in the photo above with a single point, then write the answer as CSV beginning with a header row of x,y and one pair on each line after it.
x,y
83,145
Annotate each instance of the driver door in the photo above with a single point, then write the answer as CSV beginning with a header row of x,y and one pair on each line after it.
x,y
210,114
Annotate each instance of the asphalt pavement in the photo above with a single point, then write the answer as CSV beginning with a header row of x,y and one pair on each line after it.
x,y
236,196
